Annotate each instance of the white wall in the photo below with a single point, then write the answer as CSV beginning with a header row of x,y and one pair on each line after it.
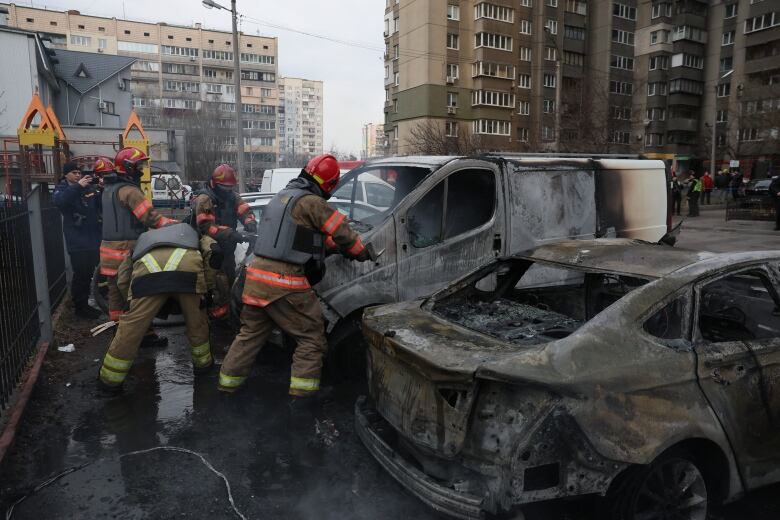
x,y
18,55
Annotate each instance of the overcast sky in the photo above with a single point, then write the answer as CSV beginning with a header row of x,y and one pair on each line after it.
x,y
353,77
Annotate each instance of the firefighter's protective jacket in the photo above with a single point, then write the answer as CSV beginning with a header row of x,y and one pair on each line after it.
x,y
167,260
268,279
126,214
217,217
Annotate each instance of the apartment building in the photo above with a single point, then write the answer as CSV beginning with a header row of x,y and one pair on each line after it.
x,y
373,141
626,76
182,78
300,119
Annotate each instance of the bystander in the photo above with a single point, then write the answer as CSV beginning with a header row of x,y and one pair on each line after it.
x,y
78,199
774,191
677,189
694,192
707,185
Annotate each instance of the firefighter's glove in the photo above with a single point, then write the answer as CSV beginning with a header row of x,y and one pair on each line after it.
x,y
363,256
251,227
217,256
236,237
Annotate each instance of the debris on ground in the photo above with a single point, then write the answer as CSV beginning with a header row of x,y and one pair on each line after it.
x,y
70,347
326,432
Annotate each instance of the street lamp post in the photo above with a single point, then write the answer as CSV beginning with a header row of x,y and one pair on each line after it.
x,y
715,122
237,80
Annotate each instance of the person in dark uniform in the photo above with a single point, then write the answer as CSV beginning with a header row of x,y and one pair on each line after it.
x,y
78,200
774,191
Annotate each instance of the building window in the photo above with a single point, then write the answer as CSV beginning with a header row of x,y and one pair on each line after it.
x,y
395,106
84,41
573,33
522,135
396,52
722,116
686,86
624,37
624,11
654,139
109,107
548,106
577,7
573,58
396,25
451,129
661,9
726,64
30,20
620,112
452,99
525,54
685,32
549,80
731,11
550,54
494,12
493,98
492,127
396,79
524,108
493,70
688,60
619,137
661,36
659,62
179,51
53,23
749,134
218,55
656,114
727,38
525,27
759,23
102,44
548,133
656,89
260,59
493,41
453,71
551,3
622,88
527,3
621,62
453,12
724,90
453,41
148,48
551,26
524,81
101,29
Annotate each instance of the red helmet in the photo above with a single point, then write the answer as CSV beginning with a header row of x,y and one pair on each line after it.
x,y
103,165
128,159
223,175
325,170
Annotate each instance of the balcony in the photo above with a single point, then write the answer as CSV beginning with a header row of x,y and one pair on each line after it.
x,y
762,64
680,124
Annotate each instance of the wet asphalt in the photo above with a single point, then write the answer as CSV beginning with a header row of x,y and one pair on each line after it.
x,y
280,463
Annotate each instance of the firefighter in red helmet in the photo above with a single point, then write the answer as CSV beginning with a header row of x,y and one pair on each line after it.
x,y
216,211
296,228
126,214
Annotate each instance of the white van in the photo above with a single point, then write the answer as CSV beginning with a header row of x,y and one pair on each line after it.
x,y
276,179
168,191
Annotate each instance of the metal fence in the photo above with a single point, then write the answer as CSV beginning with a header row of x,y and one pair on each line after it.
x,y
32,281
750,209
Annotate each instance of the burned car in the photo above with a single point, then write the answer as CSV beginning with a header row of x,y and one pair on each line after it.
x,y
643,373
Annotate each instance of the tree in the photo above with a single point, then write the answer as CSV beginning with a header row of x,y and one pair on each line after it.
x,y
430,138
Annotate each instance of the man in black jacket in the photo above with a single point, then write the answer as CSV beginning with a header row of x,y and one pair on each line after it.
x,y
774,190
79,201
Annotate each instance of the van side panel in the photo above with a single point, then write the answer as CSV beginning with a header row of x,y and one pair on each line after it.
x,y
547,204
632,198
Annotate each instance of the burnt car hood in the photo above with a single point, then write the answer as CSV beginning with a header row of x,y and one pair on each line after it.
x,y
447,352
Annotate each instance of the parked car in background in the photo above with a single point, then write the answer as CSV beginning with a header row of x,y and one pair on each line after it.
x,y
643,373
276,179
168,191
368,190
757,190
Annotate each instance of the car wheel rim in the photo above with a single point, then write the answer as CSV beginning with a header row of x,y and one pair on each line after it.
x,y
674,490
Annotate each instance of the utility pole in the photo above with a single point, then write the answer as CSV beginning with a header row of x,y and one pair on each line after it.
x,y
715,121
211,4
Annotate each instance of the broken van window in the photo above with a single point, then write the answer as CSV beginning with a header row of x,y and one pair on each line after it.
x,y
471,199
739,307
424,219
533,303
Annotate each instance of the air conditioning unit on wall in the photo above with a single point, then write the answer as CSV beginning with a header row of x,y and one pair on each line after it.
x,y
450,80
452,110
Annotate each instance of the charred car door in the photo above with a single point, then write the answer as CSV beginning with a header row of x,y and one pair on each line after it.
x,y
737,342
455,226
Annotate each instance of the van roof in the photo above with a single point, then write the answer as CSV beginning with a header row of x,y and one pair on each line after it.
x,y
608,161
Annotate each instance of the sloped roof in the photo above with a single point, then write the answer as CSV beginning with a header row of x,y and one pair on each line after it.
x,y
85,70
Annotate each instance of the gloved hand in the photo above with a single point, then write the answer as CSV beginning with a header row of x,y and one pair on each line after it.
x,y
363,256
236,237
251,227
217,256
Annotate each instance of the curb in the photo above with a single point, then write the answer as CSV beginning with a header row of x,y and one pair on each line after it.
x,y
9,433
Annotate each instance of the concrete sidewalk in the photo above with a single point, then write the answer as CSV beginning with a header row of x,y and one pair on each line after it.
x,y
713,218
712,232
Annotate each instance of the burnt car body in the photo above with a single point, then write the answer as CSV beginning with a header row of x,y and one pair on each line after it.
x,y
583,367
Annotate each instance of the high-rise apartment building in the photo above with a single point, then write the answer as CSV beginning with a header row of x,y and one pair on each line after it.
x,y
183,78
300,120
626,76
373,141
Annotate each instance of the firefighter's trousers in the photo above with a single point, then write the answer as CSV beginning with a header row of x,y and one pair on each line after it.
x,y
299,315
134,324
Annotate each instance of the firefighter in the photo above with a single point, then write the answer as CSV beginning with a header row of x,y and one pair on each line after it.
x,y
216,209
126,214
167,264
296,227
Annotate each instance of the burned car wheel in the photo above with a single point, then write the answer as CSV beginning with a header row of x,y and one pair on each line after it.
x,y
670,488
